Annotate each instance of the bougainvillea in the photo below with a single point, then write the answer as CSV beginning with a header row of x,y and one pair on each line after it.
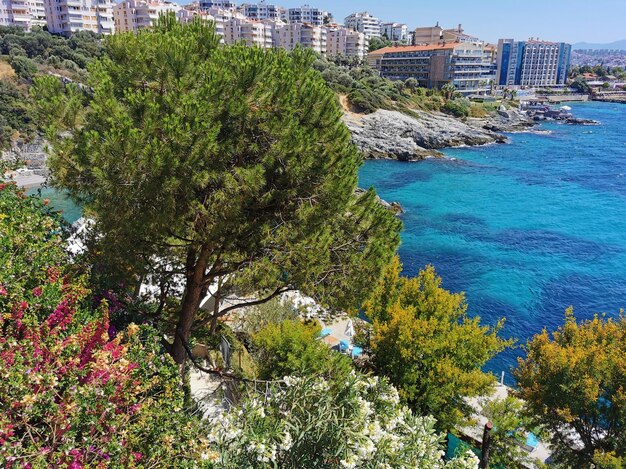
x,y
71,395
311,422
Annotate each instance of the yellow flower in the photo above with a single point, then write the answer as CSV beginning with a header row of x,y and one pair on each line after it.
x,y
132,330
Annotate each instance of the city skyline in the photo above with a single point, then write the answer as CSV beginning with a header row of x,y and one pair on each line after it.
x,y
575,20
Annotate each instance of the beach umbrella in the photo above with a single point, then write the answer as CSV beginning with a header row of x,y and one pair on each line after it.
x,y
349,332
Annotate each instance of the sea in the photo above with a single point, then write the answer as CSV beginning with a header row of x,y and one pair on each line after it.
x,y
525,229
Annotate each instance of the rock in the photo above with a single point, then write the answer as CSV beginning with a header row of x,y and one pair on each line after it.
x,y
392,134
32,154
578,121
507,120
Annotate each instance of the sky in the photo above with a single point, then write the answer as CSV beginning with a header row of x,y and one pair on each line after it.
x,y
553,20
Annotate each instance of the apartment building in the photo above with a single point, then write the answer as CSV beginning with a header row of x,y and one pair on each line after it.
x,y
341,41
262,11
222,4
22,13
307,14
304,35
434,34
253,33
133,15
364,23
532,63
466,66
396,32
68,16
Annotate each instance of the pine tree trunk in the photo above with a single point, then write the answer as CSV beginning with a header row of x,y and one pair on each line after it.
x,y
191,302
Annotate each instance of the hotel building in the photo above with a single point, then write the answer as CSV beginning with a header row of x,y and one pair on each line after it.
x,y
466,66
532,63
396,32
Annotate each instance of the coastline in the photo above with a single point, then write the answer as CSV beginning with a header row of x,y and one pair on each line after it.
x,y
394,135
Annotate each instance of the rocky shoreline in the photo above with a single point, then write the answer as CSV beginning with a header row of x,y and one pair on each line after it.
x,y
395,135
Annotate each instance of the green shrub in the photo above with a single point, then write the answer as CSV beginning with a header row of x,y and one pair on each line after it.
x,y
294,348
23,66
313,423
456,108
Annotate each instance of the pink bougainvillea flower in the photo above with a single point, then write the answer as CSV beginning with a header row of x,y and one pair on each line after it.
x,y
37,292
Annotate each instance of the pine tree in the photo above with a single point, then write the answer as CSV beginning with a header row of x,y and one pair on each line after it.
x,y
230,165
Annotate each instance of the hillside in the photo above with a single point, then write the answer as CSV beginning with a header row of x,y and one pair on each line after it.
x,y
617,45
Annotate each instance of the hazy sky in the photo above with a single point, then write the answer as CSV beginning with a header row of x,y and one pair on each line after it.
x,y
557,20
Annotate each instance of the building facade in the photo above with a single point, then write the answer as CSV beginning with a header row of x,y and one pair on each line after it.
x,y
133,15
69,16
307,14
434,34
304,35
22,13
341,41
532,63
364,23
396,32
223,4
466,66
262,11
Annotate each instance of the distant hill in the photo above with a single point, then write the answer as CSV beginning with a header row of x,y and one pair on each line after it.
x,y
621,45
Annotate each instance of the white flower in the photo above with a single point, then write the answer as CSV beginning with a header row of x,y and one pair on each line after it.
x,y
287,442
349,463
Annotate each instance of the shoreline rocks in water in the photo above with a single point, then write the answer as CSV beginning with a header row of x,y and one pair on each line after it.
x,y
394,135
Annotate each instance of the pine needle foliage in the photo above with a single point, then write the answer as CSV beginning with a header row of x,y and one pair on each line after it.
x,y
231,162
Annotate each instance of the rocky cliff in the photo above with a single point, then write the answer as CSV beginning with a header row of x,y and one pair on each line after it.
x,y
392,134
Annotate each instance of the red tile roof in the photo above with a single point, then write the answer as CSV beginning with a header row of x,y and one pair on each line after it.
x,y
388,50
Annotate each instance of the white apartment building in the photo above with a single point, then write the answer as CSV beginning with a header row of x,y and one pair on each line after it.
x,y
396,32
304,35
68,16
346,42
364,23
307,14
223,4
262,11
252,33
133,15
22,13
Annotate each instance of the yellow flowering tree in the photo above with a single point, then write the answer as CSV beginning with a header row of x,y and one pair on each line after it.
x,y
426,343
574,384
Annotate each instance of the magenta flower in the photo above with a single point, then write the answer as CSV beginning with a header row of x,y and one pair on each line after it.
x,y
37,292
3,291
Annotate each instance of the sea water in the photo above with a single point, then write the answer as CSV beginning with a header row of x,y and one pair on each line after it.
x,y
525,229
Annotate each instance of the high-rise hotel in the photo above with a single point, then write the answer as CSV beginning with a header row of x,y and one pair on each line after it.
x,y
532,63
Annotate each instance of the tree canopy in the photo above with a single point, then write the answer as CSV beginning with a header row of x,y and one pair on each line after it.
x,y
232,163
426,343
574,385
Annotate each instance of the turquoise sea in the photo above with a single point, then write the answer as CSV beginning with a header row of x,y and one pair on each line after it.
x,y
59,202
526,229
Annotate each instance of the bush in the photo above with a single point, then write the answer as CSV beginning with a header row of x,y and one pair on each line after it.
x,y
23,66
73,393
456,108
15,113
293,348
310,422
